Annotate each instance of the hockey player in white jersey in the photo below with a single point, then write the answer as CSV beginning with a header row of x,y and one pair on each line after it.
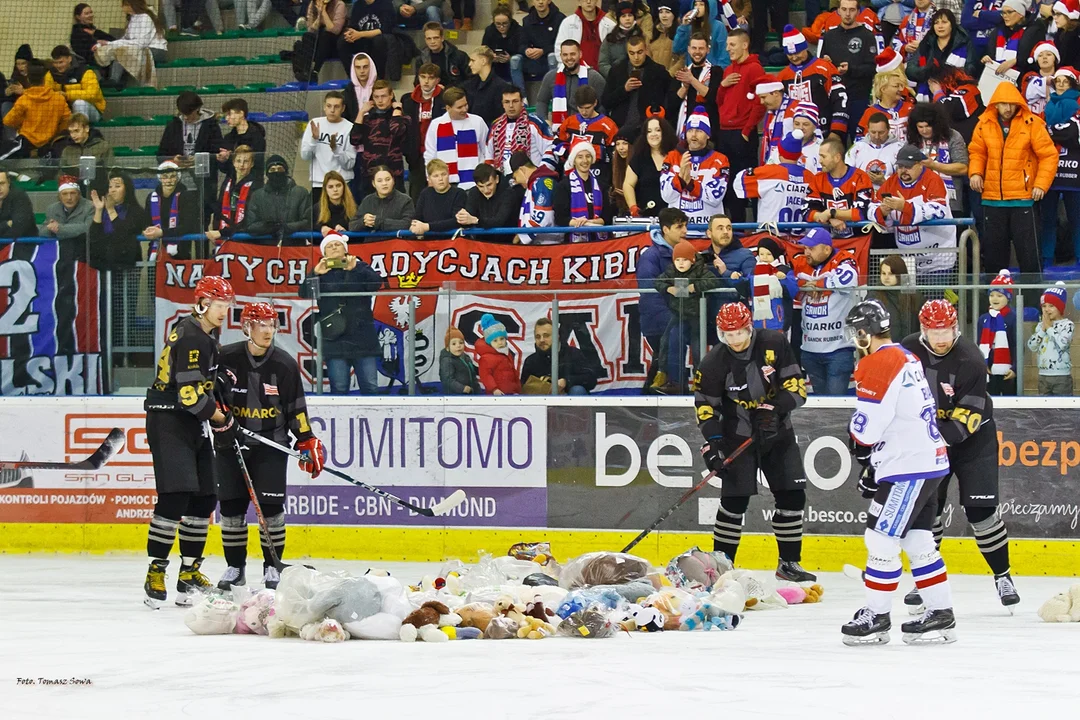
x,y
894,435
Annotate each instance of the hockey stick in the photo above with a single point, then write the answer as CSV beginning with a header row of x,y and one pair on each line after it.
x,y
689,493
263,525
113,444
440,508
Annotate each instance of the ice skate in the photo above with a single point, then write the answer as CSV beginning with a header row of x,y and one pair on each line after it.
x,y
913,602
1007,591
233,576
792,571
271,577
191,583
154,587
935,627
867,628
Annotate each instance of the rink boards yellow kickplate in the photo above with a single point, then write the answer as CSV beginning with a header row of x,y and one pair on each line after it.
x,y
399,544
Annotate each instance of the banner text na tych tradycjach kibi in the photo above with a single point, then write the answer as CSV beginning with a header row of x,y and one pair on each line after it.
x,y
604,326
50,341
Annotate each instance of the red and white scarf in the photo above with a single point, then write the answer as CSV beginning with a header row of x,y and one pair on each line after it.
x,y
914,27
227,219
994,342
1007,44
766,287
521,140
706,74
558,93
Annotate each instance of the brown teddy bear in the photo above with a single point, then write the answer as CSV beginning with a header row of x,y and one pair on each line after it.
x,y
424,623
476,615
536,609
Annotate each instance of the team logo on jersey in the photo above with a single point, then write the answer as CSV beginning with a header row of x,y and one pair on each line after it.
x,y
193,357
947,389
800,91
269,389
767,371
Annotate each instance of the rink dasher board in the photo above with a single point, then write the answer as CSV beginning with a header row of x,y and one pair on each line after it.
x,y
540,467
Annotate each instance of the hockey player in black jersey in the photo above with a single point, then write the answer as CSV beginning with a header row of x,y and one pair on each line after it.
x,y
747,386
956,372
180,409
263,387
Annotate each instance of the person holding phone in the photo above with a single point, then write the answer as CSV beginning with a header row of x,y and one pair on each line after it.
x,y
507,41
634,85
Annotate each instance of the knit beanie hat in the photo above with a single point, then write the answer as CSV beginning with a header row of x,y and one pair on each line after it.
x,y
24,53
451,334
1055,296
806,109
492,328
699,120
794,41
791,146
1002,284
1018,6
772,246
684,251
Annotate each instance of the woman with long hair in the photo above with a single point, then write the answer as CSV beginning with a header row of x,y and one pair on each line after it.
x,y
663,34
947,155
337,208
946,45
385,209
890,94
115,227
1067,37
641,188
620,160
959,94
144,32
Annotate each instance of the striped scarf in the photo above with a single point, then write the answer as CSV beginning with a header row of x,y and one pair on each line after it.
x,y
913,28
1007,46
687,106
774,128
994,342
520,141
106,221
558,93
766,287
226,203
579,204
460,150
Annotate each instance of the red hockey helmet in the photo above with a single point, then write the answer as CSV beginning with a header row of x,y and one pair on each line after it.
x,y
940,327
937,315
258,312
733,316
214,287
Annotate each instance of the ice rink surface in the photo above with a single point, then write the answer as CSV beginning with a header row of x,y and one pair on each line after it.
x,y
82,617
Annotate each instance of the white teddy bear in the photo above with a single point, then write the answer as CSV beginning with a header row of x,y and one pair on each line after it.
x,y
1063,607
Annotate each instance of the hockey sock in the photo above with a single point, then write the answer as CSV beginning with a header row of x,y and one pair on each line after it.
x,y
234,539
787,524
991,537
193,537
939,531
928,567
883,570
727,530
162,534
275,522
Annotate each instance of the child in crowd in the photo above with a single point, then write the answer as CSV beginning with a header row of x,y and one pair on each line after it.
x,y
457,373
682,330
997,337
772,275
497,371
1052,340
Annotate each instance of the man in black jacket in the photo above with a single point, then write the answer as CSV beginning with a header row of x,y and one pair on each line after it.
x,y
174,212
16,211
242,132
491,203
193,130
453,64
484,88
280,207
635,84
575,375
852,47
540,27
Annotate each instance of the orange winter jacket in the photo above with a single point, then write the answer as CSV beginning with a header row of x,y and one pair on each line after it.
x,y
1011,167
39,115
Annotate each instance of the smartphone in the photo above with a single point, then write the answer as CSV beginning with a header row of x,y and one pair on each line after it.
x,y
335,263
636,73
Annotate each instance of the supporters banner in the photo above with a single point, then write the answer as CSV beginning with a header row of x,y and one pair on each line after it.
x,y
49,325
605,323
420,451
620,466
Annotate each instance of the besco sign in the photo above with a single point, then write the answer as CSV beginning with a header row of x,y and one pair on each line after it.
x,y
674,451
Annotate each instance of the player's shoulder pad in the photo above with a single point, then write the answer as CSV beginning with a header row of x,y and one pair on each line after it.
x,y
875,372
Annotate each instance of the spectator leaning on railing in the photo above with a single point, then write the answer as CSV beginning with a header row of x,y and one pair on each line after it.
x,y
16,210
491,203
231,214
69,217
439,204
385,209
174,212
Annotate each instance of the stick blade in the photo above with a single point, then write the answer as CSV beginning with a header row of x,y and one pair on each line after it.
x,y
456,498
113,444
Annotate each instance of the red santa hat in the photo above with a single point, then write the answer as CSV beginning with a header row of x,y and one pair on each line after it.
x,y
766,85
1045,46
1069,72
888,59
579,146
1068,8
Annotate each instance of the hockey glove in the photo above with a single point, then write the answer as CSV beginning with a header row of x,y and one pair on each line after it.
x,y
224,432
315,454
713,454
766,423
868,486
859,451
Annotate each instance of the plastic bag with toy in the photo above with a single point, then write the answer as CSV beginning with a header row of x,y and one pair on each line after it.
x,y
369,607
756,593
212,616
697,569
604,568
592,623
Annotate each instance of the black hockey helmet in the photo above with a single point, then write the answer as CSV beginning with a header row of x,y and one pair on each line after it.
x,y
866,319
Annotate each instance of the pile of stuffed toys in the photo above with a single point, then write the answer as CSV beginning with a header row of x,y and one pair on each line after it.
x,y
523,595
